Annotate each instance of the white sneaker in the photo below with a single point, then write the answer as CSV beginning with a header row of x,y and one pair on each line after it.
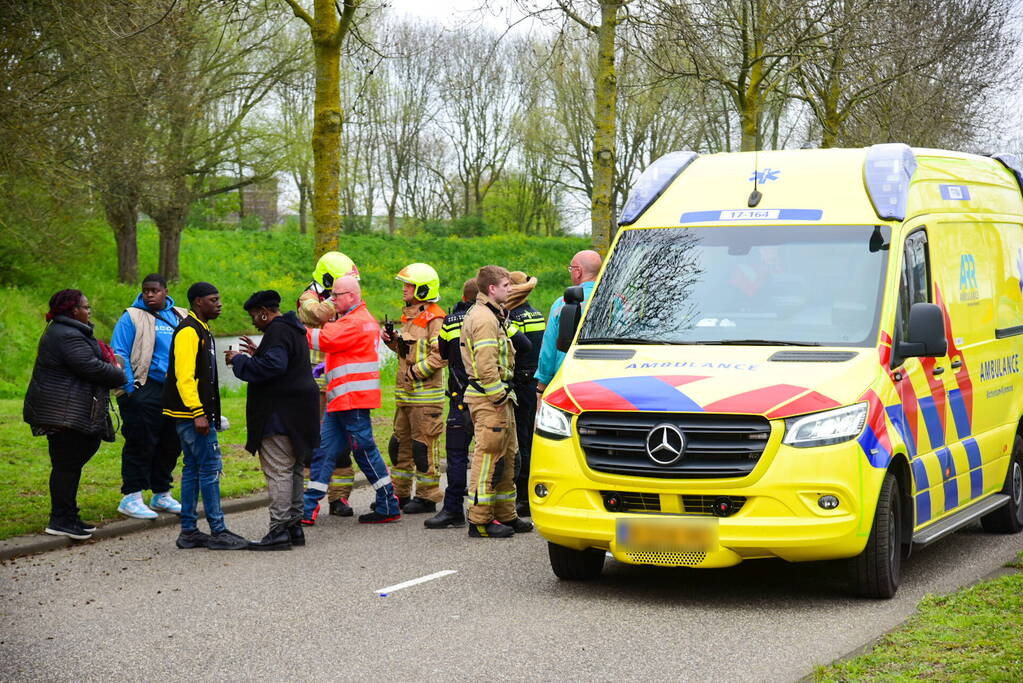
x,y
164,502
132,506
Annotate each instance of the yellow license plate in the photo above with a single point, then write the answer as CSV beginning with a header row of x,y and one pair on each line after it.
x,y
667,534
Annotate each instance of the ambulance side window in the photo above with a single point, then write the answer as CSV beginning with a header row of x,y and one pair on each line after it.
x,y
915,284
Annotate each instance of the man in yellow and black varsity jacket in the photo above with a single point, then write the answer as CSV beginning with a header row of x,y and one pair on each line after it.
x,y
191,396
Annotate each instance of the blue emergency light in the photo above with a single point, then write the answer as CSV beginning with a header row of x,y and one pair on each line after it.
x,y
888,170
652,183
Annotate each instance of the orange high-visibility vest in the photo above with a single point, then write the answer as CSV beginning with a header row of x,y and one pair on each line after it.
x,y
353,362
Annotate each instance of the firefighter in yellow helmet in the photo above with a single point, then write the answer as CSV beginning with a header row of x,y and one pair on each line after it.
x,y
419,391
315,309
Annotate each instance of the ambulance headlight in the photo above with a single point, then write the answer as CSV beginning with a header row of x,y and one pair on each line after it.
x,y
822,429
553,423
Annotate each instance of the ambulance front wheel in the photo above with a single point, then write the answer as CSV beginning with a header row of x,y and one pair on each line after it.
x,y
878,569
575,565
1008,519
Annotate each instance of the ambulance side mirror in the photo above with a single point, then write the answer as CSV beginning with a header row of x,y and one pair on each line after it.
x,y
571,312
926,335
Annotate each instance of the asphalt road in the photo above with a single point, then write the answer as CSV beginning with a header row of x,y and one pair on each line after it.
x,y
137,607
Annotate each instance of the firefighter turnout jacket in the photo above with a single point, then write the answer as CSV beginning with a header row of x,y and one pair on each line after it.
x,y
419,380
487,352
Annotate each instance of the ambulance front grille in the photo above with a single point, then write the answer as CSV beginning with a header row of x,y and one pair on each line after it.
x,y
717,446
704,505
636,501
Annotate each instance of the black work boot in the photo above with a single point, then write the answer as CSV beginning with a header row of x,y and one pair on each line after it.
x,y
492,529
341,508
275,540
296,534
418,505
522,508
519,525
446,519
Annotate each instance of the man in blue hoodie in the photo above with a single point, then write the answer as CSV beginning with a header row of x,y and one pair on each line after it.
x,y
142,337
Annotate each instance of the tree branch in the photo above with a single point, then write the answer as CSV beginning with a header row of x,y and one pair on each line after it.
x,y
300,12
570,13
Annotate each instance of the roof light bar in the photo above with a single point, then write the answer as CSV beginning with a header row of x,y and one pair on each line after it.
x,y
1011,162
652,183
887,170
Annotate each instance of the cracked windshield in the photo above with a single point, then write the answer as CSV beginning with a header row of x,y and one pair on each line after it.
x,y
741,285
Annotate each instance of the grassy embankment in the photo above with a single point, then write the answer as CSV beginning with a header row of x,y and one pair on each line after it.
x,y
238,263
975,634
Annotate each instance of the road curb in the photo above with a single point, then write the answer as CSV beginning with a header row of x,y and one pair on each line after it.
x,y
19,546
1003,570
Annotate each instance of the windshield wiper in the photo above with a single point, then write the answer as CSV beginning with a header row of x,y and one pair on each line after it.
x,y
619,340
758,342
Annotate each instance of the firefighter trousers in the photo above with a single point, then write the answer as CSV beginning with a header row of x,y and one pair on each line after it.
x,y
416,430
492,477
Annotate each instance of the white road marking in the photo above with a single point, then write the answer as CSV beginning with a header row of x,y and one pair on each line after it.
x,y
413,582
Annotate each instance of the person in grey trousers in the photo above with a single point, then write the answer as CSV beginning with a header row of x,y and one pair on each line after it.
x,y
281,410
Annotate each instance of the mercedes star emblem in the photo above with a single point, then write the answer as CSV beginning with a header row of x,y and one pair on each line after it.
x,y
665,444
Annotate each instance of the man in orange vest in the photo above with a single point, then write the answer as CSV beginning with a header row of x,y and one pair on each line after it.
x,y
353,389
315,309
418,392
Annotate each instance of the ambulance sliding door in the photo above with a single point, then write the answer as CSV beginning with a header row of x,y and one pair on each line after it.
x,y
968,274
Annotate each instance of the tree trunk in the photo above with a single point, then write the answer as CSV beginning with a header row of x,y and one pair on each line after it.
x,y
326,139
303,207
602,212
392,214
171,223
123,217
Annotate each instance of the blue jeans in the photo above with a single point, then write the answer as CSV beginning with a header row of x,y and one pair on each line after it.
x,y
342,432
200,473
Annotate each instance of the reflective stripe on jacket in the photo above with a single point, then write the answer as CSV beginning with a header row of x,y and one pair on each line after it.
x,y
353,363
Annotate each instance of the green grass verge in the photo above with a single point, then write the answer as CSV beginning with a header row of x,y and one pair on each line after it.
x,y
242,262
25,465
975,634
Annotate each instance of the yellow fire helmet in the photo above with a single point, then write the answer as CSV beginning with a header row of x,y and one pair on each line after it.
x,y
424,278
331,266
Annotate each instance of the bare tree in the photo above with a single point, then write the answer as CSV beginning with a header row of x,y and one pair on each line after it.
x,y
748,48
915,71
225,61
407,104
480,106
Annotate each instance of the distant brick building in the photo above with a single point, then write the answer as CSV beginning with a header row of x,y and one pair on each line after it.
x,y
260,199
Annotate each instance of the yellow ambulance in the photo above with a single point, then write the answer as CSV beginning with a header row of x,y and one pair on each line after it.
x,y
808,355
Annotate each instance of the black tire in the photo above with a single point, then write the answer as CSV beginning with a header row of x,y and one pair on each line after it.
x,y
878,569
1009,519
575,565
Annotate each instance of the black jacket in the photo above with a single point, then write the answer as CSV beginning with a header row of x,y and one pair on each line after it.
x,y
70,382
205,376
281,383
450,334
531,323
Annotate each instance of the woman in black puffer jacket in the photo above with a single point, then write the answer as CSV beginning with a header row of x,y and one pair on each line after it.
x,y
67,401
